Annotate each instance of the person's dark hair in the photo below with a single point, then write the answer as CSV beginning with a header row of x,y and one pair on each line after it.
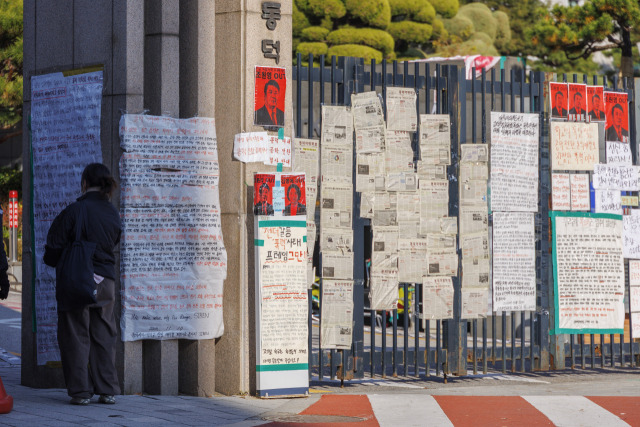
x,y
264,186
295,187
271,83
98,175
595,96
617,107
577,94
558,93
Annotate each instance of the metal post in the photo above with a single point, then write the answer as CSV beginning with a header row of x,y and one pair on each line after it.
x,y
13,225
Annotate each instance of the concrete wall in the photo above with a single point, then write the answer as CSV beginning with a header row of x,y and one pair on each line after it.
x,y
157,55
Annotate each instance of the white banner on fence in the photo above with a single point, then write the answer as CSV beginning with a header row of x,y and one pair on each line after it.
x,y
514,162
65,135
173,260
589,273
514,261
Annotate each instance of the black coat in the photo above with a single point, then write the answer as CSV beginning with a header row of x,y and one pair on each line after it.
x,y
612,135
104,229
264,119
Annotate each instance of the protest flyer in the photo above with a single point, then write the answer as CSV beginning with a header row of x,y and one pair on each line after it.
x,y
270,89
65,137
577,102
559,101
295,198
263,184
574,146
588,270
595,104
173,261
617,124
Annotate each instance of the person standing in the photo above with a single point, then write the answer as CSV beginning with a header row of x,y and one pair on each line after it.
x,y
87,335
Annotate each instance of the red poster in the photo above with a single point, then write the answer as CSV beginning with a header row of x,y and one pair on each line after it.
x,y
559,104
294,194
263,193
270,88
617,108
577,102
595,103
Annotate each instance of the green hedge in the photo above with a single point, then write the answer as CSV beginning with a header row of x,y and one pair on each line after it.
x,y
368,53
331,8
503,29
459,26
477,47
300,21
315,48
481,17
416,10
446,8
411,32
483,37
439,32
327,23
377,39
303,5
314,34
376,13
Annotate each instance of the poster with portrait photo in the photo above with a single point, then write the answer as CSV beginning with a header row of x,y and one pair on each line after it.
x,y
617,124
595,104
270,88
294,194
577,102
558,95
263,193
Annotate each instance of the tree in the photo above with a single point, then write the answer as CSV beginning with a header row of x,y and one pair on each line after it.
x,y
10,62
578,31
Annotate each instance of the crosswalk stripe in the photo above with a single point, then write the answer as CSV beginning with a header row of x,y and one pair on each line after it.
x,y
574,411
625,407
412,410
473,411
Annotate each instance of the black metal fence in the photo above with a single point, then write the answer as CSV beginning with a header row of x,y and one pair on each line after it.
x,y
393,343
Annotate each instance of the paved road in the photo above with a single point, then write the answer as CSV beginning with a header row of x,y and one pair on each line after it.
x,y
10,321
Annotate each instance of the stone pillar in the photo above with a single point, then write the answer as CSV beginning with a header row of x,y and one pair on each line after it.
x,y
161,96
196,368
239,32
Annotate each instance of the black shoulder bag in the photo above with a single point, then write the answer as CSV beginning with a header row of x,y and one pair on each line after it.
x,y
75,285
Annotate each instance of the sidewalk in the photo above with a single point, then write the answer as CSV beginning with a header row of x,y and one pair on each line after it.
x,y
368,402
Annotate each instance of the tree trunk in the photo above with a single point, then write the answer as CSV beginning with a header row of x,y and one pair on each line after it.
x,y
626,61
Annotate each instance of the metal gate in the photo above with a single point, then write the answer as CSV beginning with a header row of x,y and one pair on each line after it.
x,y
393,343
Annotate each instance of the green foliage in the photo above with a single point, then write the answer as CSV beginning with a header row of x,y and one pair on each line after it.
x,y
439,31
10,62
503,31
327,23
418,10
446,8
483,37
315,48
578,31
314,34
10,179
481,17
412,53
459,26
358,51
411,32
302,5
373,13
331,8
377,39
300,21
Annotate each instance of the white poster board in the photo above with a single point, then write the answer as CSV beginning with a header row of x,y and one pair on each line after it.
x,y
514,162
574,146
173,259
514,261
588,271
282,309
65,137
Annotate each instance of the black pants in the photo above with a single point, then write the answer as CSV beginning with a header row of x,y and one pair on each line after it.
x,y
87,341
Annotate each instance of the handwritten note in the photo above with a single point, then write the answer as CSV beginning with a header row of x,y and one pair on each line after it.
x,y
589,272
619,154
560,192
250,147
282,274
514,261
514,162
574,146
65,126
173,259
608,201
631,236
580,200
606,177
